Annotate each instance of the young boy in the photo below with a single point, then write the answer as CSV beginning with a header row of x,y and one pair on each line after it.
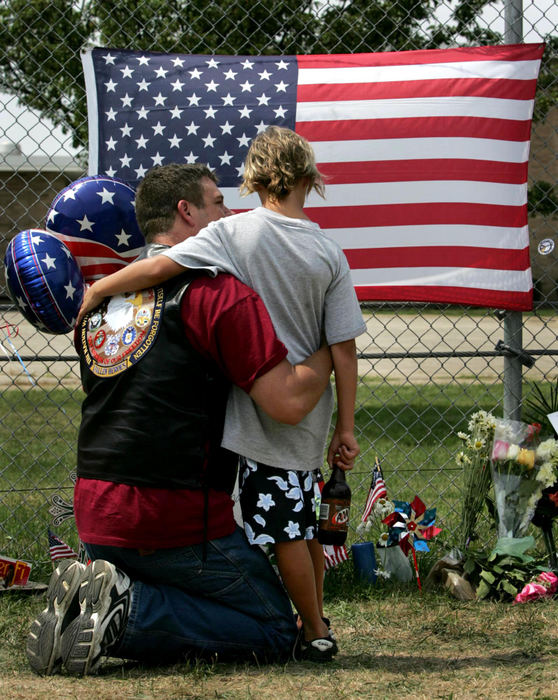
x,y
304,280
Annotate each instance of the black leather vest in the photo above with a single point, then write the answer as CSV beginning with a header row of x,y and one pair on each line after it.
x,y
157,419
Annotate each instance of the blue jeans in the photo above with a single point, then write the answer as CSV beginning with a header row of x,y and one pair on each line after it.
x,y
231,605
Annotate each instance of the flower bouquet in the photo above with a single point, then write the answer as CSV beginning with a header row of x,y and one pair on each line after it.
x,y
521,469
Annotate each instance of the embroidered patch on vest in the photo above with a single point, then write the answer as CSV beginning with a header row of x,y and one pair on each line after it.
x,y
119,335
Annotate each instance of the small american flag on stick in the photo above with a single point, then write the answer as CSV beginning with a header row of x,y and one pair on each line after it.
x,y
58,549
377,490
334,555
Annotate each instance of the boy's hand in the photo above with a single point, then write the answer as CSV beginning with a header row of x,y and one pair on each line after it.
x,y
343,450
90,300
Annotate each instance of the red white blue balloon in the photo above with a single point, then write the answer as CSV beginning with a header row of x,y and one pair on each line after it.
x,y
95,217
44,280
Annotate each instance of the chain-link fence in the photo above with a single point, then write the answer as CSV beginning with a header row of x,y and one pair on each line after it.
x,y
423,368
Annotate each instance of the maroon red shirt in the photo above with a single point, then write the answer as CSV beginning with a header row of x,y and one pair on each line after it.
x,y
223,320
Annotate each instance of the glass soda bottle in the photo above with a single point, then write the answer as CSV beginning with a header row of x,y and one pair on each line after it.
x,y
335,505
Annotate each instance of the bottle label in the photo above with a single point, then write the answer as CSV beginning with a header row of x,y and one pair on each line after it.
x,y
334,515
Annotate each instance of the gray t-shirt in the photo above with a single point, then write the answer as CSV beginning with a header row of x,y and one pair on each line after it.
x,y
304,280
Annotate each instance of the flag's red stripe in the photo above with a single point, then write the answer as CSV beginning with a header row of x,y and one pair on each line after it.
x,y
85,249
418,214
518,301
95,269
419,127
439,256
409,89
509,52
420,170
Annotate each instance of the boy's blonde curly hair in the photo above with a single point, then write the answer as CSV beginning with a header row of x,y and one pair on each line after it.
x,y
277,160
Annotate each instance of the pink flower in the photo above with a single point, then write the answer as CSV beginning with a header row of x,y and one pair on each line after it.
x,y
544,586
500,450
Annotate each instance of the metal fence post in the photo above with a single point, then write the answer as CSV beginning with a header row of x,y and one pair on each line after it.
x,y
513,321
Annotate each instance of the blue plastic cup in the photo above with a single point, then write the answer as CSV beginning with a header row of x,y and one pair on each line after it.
x,y
364,560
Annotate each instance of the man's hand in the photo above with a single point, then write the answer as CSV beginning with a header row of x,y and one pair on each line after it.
x,y
90,300
343,450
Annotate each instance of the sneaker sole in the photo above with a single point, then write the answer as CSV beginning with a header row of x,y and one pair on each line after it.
x,y
82,642
43,640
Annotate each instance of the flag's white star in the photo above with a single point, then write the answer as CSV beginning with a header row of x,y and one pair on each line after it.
x,y
247,64
140,172
175,141
244,112
111,115
50,218
190,158
159,100
194,100
85,224
127,72
21,302
280,112
212,86
111,143
126,100
111,172
209,141
228,99
143,85
246,87
126,130
229,75
106,196
212,63
111,85
192,128
69,194
70,290
261,127
175,113
177,62
125,160
37,240
225,158
177,85
123,237
157,159
210,113
282,87
226,128
161,72
264,75
263,99
240,170
109,59
158,129
142,113
282,65
143,60
142,141
243,140
195,74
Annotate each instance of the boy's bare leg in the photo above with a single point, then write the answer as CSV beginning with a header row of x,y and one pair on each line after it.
x,y
317,554
297,571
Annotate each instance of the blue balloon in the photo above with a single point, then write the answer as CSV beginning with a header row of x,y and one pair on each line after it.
x,y
44,280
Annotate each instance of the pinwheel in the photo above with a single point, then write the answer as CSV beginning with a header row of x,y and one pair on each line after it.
x,y
410,526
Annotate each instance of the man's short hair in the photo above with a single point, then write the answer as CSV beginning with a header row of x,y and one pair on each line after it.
x,y
277,160
160,191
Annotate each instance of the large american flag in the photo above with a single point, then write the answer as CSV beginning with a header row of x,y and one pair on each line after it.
x,y
425,152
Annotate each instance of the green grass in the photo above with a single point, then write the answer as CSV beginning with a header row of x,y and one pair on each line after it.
x,y
413,430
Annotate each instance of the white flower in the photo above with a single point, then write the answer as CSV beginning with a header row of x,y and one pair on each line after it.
x,y
546,475
292,529
265,501
462,436
513,452
462,459
383,539
546,449
381,573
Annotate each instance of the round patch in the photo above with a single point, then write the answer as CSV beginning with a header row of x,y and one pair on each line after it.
x,y
129,335
546,246
99,339
128,326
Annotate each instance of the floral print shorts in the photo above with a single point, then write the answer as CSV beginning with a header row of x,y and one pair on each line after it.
x,y
278,505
